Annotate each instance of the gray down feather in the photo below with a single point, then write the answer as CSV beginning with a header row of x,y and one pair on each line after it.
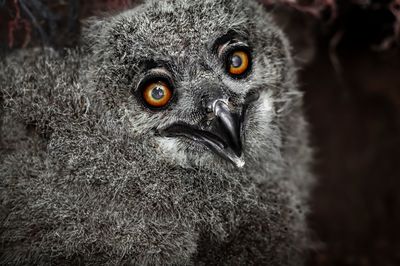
x,y
85,179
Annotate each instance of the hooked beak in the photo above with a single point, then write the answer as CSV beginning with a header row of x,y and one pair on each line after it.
x,y
223,136
228,126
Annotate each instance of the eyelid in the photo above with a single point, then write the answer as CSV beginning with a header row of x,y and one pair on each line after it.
x,y
230,36
154,73
222,49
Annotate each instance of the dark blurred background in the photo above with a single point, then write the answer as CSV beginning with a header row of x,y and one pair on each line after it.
x,y
348,52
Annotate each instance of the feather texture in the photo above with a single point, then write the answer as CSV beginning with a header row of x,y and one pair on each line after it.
x,y
84,179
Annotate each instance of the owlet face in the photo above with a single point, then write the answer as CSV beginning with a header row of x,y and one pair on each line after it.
x,y
200,81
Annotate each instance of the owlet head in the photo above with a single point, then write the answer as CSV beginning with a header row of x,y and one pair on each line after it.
x,y
200,80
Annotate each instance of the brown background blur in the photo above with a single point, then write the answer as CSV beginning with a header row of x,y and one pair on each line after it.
x,y
349,58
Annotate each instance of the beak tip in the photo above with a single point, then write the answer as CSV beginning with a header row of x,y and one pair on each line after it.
x,y
239,162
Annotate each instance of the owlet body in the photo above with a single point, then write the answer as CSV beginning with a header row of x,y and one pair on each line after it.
x,y
173,135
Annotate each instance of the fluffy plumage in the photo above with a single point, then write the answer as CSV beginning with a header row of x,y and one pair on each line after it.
x,y
84,178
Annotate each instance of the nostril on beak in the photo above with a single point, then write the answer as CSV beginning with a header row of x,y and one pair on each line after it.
x,y
209,109
206,104
210,106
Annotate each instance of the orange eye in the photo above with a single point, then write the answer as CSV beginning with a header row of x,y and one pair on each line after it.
x,y
239,63
157,94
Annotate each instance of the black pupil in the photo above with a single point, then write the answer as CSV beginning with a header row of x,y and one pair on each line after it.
x,y
157,93
236,61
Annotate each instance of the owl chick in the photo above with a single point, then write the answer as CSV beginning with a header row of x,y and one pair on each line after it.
x,y
173,136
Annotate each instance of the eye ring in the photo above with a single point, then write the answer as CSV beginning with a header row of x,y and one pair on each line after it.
x,y
237,58
157,94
